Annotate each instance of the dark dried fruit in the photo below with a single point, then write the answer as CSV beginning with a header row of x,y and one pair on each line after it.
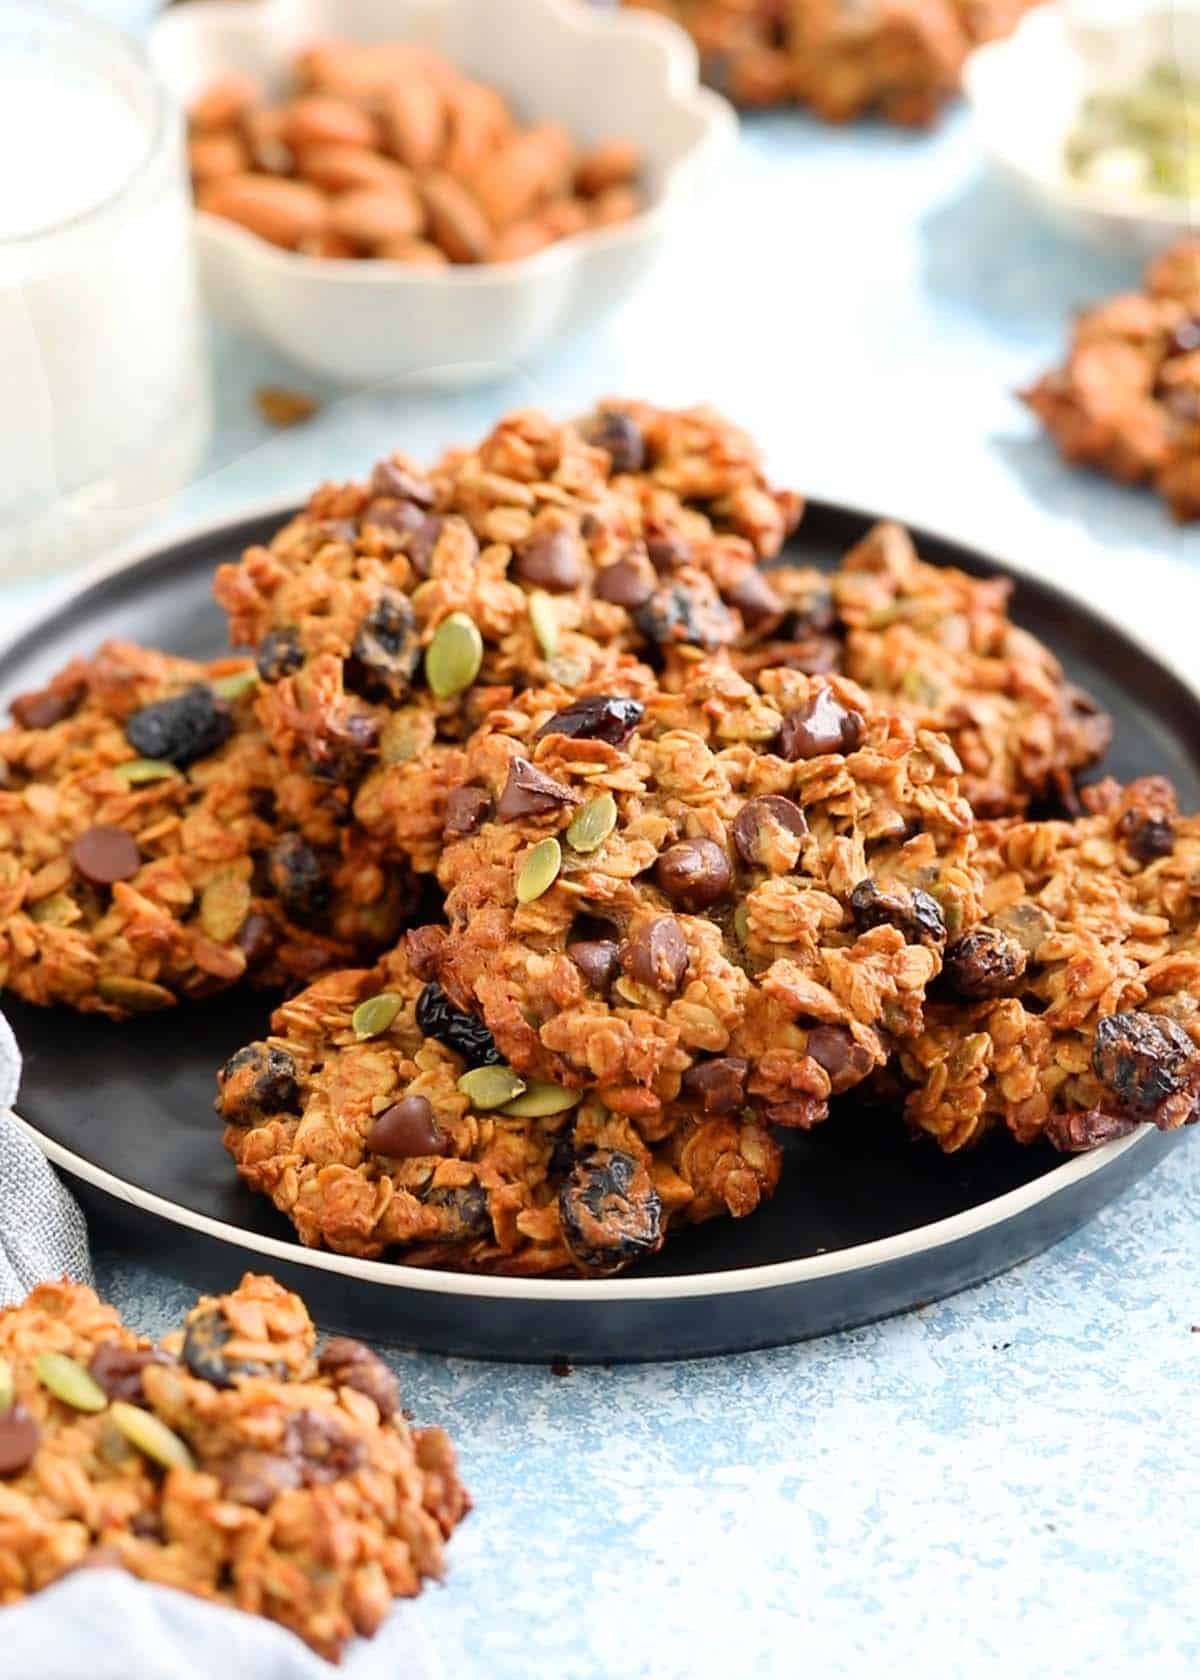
x,y
467,808
421,544
1148,834
345,749
835,1049
323,1446
19,1434
255,1478
387,649
389,479
917,915
598,960
297,876
627,583
1075,1133
181,729
1148,1062
208,1332
618,433
464,1210
600,717
257,1080
718,1086
1185,338
753,597
656,954
821,725
407,1129
694,873
105,855
550,559
118,1370
529,792
279,654
667,550
465,1034
44,707
816,615
257,937
389,515
351,1364
985,963
610,1212
757,826
674,614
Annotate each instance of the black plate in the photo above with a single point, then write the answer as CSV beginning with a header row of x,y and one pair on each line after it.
x,y
864,1223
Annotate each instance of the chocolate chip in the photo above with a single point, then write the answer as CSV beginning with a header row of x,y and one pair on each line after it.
x,y
618,433
598,960
19,1434
667,550
407,1129
821,725
257,1479
422,543
626,583
351,1364
694,873
103,854
467,808
836,1050
550,560
753,597
600,717
529,792
985,963
118,1370
45,707
916,914
279,654
718,1086
758,819
656,954
388,479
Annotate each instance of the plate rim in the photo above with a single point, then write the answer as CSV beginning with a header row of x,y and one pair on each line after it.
x,y
884,1251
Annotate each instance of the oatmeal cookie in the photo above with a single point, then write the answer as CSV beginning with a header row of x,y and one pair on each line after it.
x,y
380,1119
730,893
234,1460
1127,399
152,848
1071,1012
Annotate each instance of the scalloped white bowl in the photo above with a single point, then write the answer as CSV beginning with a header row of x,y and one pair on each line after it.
x,y
599,72
1024,93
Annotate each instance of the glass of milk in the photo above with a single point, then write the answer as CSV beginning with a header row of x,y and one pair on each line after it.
x,y
104,400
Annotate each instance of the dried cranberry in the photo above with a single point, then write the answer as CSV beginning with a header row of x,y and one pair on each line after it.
x,y
600,717
181,729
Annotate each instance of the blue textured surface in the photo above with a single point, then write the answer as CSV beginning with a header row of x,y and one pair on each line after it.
x,y
1005,1483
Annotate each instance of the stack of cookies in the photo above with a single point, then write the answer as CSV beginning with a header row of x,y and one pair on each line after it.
x,y
594,851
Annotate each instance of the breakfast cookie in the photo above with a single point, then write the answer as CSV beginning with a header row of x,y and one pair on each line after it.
x,y
1072,1012
235,1460
152,847
1127,399
380,1119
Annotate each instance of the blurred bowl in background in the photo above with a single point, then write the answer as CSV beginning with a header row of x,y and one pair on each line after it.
x,y
1026,94
600,73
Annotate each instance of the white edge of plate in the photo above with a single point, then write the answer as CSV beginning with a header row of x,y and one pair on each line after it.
x,y
782,1273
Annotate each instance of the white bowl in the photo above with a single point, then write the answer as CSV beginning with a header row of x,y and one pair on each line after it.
x,y
1025,92
601,73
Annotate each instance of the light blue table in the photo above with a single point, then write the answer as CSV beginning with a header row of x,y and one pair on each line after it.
x,y
1006,1483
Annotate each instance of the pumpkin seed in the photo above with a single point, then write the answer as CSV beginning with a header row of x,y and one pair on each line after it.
x,y
139,770
69,1382
138,996
235,685
59,910
6,1385
150,1435
541,1099
539,871
592,825
544,620
376,1014
405,735
453,657
741,923
224,906
491,1087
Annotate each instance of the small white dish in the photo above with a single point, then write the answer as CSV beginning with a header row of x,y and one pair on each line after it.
x,y
599,72
1025,93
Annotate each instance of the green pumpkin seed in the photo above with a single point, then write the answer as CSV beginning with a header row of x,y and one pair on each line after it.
x,y
592,825
376,1014
453,657
151,1436
6,1385
235,685
59,910
224,906
491,1087
69,1382
139,770
539,871
140,997
541,1099
544,620
741,923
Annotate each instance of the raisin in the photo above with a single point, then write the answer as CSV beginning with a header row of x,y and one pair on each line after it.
x,y
259,1079
985,963
298,876
387,649
915,913
610,1212
675,614
1145,1060
1075,1133
279,654
204,1342
181,729
256,1478
351,1364
465,1034
1148,835
620,435
719,1085
464,1209
611,718
45,707
118,1370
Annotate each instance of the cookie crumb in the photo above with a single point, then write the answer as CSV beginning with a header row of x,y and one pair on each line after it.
x,y
282,407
